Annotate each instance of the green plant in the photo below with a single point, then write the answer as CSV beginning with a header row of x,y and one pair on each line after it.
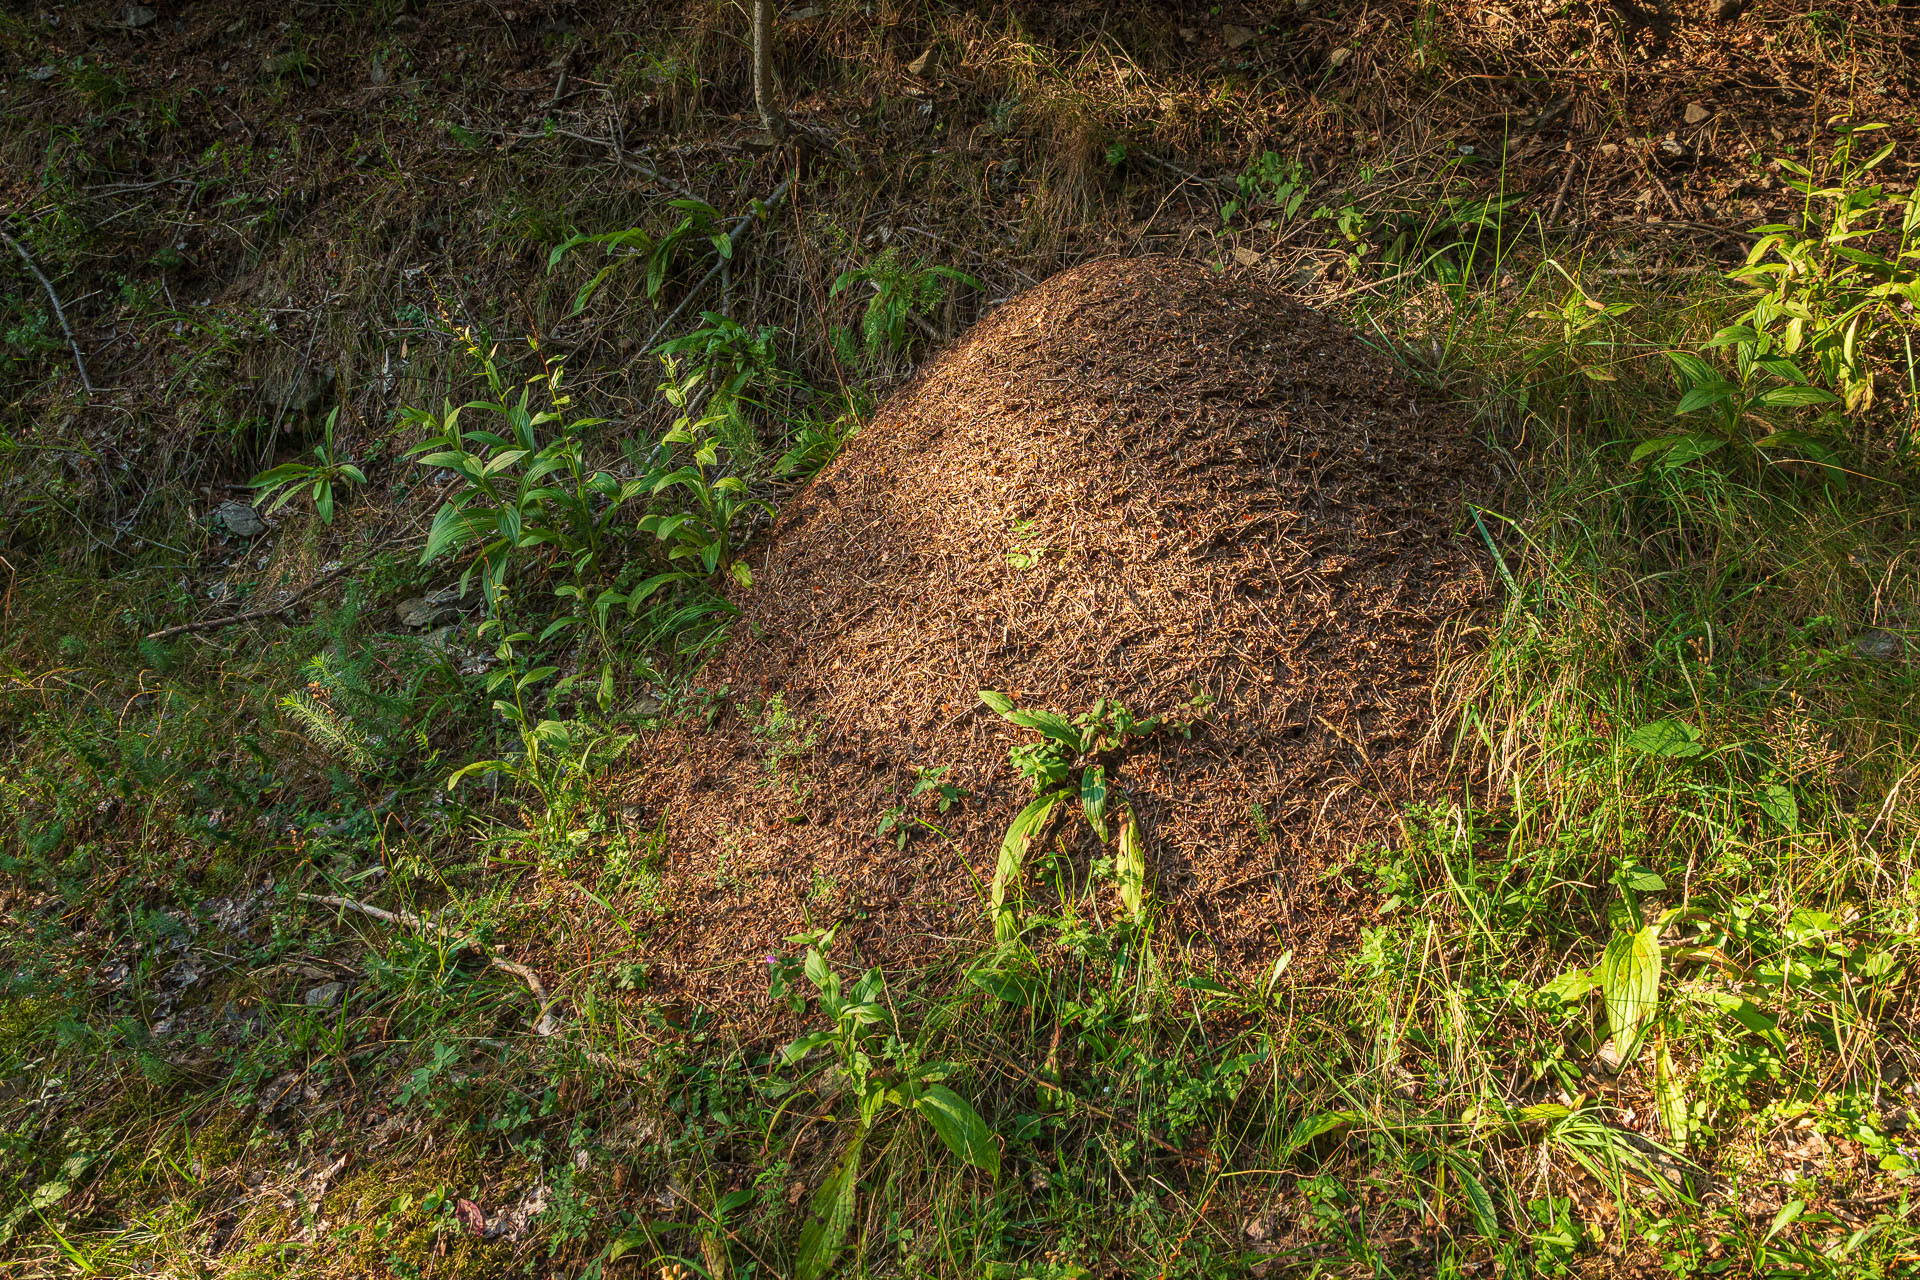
x,y
738,366
903,292
557,757
519,491
885,1074
1071,759
704,530
899,822
322,474
698,221
1274,182
1846,273
1763,379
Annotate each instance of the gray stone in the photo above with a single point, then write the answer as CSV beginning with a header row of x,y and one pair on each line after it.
x,y
137,15
326,995
1697,114
298,392
40,73
240,520
1880,646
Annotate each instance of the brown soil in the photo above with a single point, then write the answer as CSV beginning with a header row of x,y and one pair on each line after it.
x,y
1221,492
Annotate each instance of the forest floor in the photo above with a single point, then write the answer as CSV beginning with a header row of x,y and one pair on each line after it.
x,y
397,852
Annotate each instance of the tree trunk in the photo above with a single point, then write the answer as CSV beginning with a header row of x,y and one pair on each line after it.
x,y
771,118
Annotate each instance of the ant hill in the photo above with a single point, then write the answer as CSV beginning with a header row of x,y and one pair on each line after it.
x,y
1138,481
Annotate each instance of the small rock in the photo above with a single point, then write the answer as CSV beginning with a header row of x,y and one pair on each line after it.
x,y
40,73
1609,148
1672,148
1258,1228
421,612
1880,646
1238,36
918,67
137,15
377,73
1697,114
326,995
239,519
1245,256
1339,57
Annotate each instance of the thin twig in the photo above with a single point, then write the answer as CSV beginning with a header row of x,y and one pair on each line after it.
x,y
1560,196
254,615
59,312
544,1025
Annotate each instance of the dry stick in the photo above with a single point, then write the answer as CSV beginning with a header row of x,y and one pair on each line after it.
x,y
544,1025
1646,167
59,312
1560,196
253,615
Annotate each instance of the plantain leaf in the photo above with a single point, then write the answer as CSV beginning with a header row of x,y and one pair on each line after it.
x,y
1669,1095
826,1231
1013,853
1130,867
1478,1200
1630,976
1671,739
1093,799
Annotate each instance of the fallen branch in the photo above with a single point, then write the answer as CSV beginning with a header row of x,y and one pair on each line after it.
x,y
59,312
254,615
544,1025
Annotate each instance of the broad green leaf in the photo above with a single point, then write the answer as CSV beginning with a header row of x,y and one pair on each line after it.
x,y
1735,333
803,1046
999,702
281,474
1478,1200
1707,394
453,529
1093,799
1130,867
1020,836
1641,880
960,1127
1789,1214
1570,986
826,1232
1669,739
1630,976
1693,370
1777,802
1008,988
1314,1127
1782,396
1754,1019
1052,724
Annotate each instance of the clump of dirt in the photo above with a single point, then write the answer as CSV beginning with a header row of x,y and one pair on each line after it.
x,y
1139,480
